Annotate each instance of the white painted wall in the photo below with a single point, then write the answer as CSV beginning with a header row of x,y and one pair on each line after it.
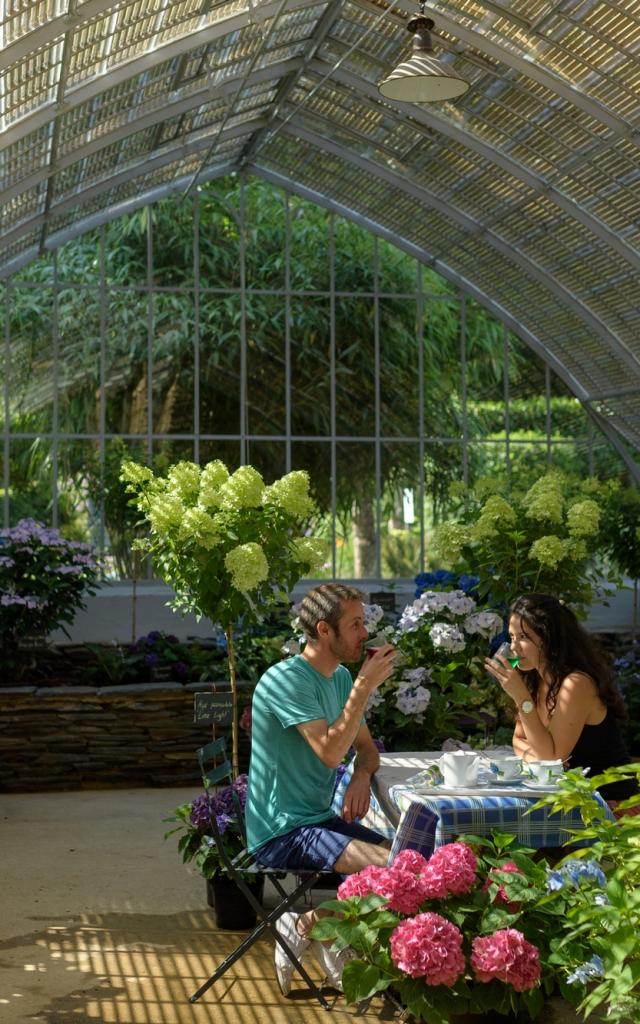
x,y
109,614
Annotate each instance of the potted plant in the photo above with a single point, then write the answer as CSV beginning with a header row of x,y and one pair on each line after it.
x,y
229,545
196,844
43,580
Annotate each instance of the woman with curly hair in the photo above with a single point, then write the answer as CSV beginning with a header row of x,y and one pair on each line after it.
x,y
568,705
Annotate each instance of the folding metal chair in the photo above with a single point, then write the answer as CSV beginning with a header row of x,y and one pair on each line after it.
x,y
216,768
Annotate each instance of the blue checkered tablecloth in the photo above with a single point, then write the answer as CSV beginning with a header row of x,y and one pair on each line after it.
x,y
424,821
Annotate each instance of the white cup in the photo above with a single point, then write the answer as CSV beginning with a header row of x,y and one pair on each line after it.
x,y
509,766
545,771
460,768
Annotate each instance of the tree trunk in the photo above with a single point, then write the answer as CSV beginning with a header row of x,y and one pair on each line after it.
x,y
364,539
231,656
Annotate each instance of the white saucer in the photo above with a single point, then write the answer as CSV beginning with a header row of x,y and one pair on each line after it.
x,y
539,785
506,783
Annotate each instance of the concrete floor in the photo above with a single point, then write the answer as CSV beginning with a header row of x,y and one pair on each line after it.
x,y
101,922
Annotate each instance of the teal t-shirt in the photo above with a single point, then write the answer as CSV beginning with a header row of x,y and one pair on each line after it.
x,y
288,784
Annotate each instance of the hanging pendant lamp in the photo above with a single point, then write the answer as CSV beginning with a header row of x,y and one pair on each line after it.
x,y
422,78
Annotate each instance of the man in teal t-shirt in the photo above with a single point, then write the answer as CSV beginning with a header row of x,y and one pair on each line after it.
x,y
307,712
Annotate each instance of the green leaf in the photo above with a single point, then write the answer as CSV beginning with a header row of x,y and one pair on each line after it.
x,y
361,981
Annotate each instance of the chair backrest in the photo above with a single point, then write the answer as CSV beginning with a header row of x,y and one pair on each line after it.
x,y
215,766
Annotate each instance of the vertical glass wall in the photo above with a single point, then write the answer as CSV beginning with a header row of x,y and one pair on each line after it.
x,y
249,325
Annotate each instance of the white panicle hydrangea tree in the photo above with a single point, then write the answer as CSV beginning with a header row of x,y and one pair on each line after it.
x,y
229,545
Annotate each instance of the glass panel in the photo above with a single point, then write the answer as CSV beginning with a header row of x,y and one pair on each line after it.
x,y
442,369
399,369
315,457
396,270
268,457
220,255
400,513
484,374
120,518
488,460
40,269
353,256
166,452
568,416
30,488
220,364
31,370
126,248
79,260
173,242
442,468
173,363
527,405
126,377
265,235
310,334
266,364
227,451
78,495
355,367
434,284
356,526
79,362
309,246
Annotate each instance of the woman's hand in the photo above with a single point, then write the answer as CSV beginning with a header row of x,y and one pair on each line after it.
x,y
509,678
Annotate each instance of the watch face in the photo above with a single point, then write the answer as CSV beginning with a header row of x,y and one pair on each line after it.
x,y
526,707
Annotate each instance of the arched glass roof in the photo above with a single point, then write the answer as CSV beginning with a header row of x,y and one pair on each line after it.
x,y
525,192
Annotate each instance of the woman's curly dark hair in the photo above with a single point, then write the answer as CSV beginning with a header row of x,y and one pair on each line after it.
x,y
566,648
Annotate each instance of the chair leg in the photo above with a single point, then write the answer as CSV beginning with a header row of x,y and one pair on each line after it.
x,y
267,923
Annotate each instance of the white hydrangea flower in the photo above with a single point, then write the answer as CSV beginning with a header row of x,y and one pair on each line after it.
x,y
409,621
415,676
372,615
447,636
291,647
459,603
487,624
412,700
375,699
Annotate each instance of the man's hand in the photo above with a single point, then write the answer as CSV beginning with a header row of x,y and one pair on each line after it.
x,y
357,796
376,670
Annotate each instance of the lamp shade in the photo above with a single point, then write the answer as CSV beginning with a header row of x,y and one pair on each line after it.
x,y
422,78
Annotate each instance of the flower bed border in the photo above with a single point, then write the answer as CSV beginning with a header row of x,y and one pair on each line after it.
x,y
81,737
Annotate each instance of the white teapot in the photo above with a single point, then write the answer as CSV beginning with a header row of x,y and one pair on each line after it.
x,y
460,768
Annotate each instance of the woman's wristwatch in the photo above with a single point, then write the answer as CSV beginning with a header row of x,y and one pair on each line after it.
x,y
525,707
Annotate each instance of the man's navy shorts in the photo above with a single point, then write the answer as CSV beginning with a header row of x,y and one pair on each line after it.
x,y
314,847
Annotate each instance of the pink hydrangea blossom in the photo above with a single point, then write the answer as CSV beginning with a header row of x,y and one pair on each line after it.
x,y
410,860
507,956
360,884
404,890
501,896
451,871
430,947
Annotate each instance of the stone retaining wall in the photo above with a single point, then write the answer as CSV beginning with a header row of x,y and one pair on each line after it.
x,y
80,737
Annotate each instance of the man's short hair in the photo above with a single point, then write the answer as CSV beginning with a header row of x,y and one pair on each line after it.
x,y
325,604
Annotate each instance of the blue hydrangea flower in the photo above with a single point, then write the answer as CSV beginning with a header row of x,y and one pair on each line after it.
x,y
573,873
593,968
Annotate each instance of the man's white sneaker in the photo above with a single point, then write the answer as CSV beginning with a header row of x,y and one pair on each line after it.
x,y
299,945
333,964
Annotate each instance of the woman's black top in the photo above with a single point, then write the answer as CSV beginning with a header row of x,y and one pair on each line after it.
x,y
602,746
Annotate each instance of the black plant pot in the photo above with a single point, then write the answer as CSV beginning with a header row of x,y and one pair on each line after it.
x,y
232,910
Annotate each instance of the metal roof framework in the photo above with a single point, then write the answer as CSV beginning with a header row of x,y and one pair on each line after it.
x,y
525,192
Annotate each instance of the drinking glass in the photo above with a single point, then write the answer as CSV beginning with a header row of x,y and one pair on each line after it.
x,y
505,651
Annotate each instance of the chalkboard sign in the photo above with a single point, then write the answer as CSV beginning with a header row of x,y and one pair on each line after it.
x,y
213,707
385,598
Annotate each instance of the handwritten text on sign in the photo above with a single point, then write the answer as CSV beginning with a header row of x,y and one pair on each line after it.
x,y
212,707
